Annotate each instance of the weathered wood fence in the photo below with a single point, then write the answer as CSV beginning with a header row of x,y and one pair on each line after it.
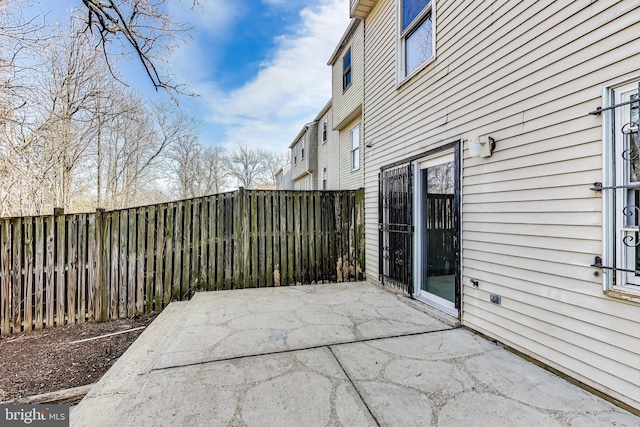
x,y
74,268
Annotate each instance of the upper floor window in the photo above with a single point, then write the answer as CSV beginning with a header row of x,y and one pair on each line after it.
x,y
621,188
346,70
416,34
302,148
324,130
324,178
355,148
295,154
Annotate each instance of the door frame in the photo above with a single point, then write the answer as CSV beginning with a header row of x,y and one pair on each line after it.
x,y
456,146
444,155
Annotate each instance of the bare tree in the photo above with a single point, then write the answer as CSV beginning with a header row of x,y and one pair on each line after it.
x,y
198,170
142,25
250,167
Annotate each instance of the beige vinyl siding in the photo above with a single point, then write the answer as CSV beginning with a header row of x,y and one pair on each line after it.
x,y
346,104
527,74
350,179
329,154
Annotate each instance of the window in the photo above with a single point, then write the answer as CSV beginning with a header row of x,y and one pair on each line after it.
x,y
302,148
346,70
324,178
416,34
295,154
621,189
355,148
324,130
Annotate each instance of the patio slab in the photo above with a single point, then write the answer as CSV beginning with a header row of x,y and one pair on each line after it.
x,y
249,322
327,355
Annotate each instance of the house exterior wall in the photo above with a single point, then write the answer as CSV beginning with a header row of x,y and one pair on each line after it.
x,y
350,179
283,178
348,103
527,74
328,153
301,167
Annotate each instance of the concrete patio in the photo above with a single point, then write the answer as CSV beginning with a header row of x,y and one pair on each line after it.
x,y
347,354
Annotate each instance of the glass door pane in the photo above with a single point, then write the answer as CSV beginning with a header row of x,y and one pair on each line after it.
x,y
437,223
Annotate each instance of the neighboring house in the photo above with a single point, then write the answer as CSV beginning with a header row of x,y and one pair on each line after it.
x,y
283,178
521,245
304,157
328,151
347,70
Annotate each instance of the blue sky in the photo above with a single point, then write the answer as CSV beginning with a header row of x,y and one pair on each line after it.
x,y
259,66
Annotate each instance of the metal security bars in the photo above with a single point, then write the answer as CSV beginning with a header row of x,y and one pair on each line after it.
x,y
621,187
395,225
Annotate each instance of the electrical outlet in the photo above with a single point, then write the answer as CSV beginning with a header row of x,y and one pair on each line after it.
x,y
495,299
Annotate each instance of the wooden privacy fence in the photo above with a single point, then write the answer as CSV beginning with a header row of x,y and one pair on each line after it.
x,y
74,268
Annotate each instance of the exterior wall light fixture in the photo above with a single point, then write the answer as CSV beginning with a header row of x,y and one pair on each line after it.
x,y
481,146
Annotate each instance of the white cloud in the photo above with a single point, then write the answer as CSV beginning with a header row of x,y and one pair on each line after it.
x,y
212,16
289,89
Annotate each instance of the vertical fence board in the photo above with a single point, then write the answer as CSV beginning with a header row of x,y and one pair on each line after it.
x,y
5,292
132,259
103,249
122,265
50,271
159,259
313,230
168,253
220,242
16,274
228,239
269,267
61,238
196,251
82,268
72,262
185,283
252,253
204,247
150,268
320,236
245,223
177,251
28,273
277,239
115,261
290,229
40,243
211,245
238,253
304,238
143,231
92,268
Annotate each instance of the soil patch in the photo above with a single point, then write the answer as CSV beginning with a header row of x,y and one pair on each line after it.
x,y
43,361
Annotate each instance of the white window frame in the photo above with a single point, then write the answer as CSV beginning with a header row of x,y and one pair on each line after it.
x,y
402,36
355,148
615,173
325,129
347,70
324,178
295,154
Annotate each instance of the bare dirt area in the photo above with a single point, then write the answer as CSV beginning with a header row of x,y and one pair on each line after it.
x,y
43,361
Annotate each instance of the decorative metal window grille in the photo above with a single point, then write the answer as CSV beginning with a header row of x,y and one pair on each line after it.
x,y
396,227
621,189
